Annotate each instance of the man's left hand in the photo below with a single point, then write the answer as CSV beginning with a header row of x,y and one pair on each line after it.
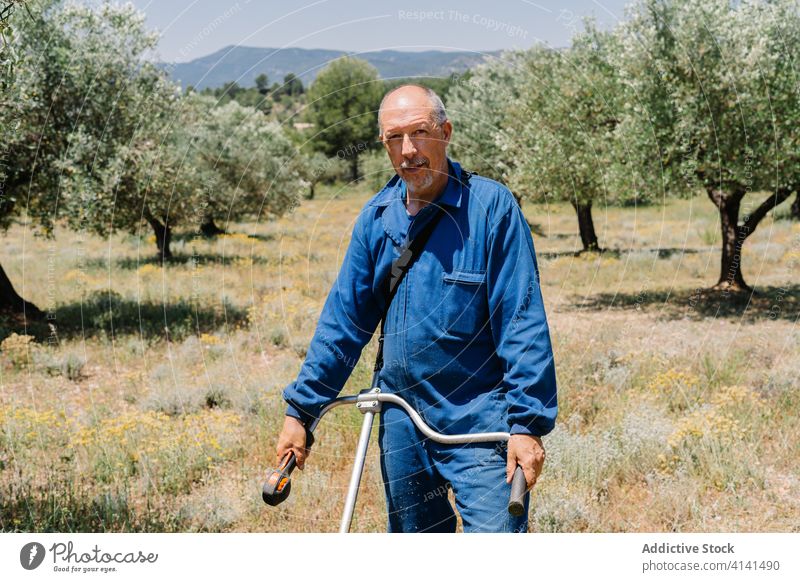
x,y
526,451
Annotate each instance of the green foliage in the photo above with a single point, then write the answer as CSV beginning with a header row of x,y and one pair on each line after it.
x,y
543,121
377,169
713,104
103,139
343,104
478,106
316,168
713,100
683,96
262,84
292,87
567,124
280,102
82,85
248,164
7,54
190,161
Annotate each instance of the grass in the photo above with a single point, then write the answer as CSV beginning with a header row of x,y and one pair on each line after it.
x,y
153,402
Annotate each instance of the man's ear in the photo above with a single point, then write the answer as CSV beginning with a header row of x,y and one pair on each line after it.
x,y
447,130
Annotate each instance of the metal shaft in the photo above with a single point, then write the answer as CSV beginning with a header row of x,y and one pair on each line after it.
x,y
358,469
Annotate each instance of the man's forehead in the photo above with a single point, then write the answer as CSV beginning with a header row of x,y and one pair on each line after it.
x,y
400,117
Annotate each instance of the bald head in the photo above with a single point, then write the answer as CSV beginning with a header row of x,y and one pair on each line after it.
x,y
412,98
415,133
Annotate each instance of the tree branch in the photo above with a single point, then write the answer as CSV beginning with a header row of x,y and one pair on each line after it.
x,y
750,224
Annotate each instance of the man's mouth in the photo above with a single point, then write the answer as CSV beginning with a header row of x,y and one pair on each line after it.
x,y
413,166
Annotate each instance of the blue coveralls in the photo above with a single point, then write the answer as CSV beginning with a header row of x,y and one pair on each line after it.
x,y
467,345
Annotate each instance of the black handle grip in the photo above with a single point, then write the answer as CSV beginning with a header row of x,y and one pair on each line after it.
x,y
519,486
279,481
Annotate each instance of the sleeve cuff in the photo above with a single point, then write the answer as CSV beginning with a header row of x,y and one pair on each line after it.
x,y
295,412
521,429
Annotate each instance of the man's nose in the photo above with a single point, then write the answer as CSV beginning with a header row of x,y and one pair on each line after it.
x,y
408,147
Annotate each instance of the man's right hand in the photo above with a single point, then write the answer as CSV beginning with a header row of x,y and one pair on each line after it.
x,y
292,439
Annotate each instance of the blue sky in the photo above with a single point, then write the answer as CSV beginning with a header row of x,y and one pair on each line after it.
x,y
193,28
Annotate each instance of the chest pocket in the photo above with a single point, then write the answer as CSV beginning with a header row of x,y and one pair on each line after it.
x,y
463,308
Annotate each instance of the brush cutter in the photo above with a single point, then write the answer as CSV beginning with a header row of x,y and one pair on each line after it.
x,y
279,482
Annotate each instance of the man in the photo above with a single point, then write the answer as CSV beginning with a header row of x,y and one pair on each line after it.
x,y
467,342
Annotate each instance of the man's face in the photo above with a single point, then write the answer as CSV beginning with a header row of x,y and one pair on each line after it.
x,y
416,145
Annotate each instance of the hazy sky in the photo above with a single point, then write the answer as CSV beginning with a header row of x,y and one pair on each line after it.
x,y
193,28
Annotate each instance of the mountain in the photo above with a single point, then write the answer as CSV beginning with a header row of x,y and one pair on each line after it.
x,y
243,64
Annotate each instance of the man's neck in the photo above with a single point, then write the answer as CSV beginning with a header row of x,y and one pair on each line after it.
x,y
417,200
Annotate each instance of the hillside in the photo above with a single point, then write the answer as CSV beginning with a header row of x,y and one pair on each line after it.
x,y
243,64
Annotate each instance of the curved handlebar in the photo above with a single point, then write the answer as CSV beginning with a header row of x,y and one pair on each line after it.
x,y
456,439
278,485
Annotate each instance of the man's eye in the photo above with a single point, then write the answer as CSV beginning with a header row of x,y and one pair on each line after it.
x,y
421,132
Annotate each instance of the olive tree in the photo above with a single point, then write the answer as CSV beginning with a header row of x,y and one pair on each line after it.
x,y
544,122
10,300
713,104
564,128
478,105
189,160
251,167
78,73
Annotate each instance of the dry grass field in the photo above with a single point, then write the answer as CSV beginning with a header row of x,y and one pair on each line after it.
x,y
157,406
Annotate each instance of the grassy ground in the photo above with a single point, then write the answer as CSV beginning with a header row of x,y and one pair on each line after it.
x,y
157,405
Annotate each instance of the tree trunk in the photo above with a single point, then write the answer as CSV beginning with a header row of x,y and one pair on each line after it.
x,y
795,210
163,237
11,302
209,228
734,234
311,189
730,276
586,226
354,168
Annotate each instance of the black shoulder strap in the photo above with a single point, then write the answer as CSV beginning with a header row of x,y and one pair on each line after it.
x,y
409,253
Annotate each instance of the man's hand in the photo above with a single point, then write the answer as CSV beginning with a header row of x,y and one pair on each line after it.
x,y
528,452
292,439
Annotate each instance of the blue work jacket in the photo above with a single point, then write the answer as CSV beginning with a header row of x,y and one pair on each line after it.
x,y
466,338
